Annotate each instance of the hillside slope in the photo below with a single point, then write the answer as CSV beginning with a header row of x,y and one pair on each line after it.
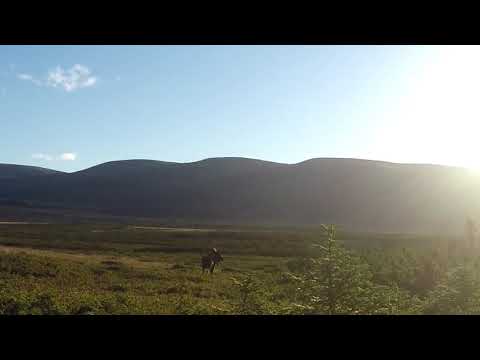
x,y
358,194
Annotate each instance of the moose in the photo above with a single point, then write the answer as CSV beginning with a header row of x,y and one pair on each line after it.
x,y
210,260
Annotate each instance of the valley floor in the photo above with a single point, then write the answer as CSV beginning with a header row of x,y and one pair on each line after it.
x,y
41,276
121,269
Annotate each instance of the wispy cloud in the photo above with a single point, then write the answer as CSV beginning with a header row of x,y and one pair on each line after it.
x,y
77,77
25,77
40,156
68,156
28,77
48,157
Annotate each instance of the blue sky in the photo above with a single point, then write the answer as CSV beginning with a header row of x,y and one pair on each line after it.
x,y
72,107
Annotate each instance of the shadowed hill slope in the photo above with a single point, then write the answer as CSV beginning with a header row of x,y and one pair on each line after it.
x,y
358,194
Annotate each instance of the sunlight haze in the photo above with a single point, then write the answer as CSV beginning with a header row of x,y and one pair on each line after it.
x,y
72,107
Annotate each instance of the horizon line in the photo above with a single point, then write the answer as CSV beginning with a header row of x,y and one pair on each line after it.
x,y
245,158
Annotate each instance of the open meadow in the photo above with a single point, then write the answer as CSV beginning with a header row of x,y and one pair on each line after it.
x,y
127,269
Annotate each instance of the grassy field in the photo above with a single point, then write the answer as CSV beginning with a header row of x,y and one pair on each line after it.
x,y
126,269
104,269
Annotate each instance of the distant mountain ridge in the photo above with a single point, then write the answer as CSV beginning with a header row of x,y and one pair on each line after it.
x,y
358,194
9,171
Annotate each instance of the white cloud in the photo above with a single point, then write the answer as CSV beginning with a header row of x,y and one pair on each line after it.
x,y
28,77
47,157
40,156
78,76
25,77
68,156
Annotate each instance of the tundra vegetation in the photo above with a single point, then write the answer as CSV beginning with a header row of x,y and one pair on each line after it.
x,y
117,269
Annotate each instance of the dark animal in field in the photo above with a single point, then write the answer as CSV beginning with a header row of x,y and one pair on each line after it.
x,y
211,260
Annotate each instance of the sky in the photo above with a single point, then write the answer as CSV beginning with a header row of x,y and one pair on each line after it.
x,y
72,107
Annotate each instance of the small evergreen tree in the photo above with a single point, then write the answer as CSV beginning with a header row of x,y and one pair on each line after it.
x,y
337,282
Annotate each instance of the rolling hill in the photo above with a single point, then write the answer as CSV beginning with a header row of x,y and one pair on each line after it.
x,y
361,195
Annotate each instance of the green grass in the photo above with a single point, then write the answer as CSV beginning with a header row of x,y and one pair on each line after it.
x,y
112,269
120,271
114,286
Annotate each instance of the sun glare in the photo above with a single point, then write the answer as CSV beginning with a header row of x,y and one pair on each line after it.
x,y
436,116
